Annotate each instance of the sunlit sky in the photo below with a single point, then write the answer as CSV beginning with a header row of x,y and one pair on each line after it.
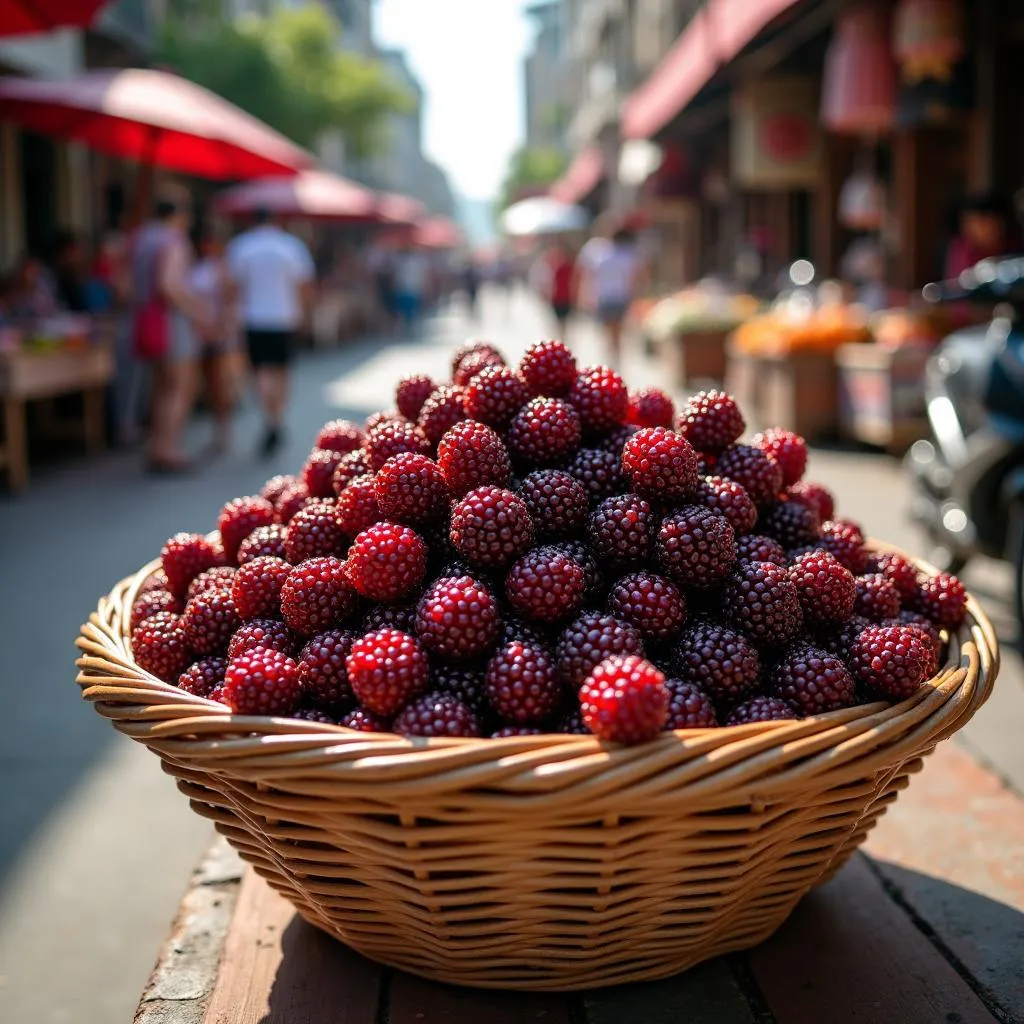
x,y
467,55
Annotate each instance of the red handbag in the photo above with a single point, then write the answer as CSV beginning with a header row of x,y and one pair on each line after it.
x,y
151,336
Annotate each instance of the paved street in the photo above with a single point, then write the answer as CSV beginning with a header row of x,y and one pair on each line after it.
x,y
96,844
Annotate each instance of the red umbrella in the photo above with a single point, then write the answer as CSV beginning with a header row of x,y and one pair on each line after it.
x,y
438,233
154,117
398,209
24,17
315,195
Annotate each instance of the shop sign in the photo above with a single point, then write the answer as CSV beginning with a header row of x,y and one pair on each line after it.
x,y
776,138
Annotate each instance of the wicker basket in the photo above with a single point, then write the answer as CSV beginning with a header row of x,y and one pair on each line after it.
x,y
543,862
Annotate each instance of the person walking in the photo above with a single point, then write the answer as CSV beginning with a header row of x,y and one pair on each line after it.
x,y
166,322
610,269
412,281
212,287
558,284
273,274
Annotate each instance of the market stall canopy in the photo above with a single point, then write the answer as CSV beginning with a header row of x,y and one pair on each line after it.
x,y
154,117
583,175
399,209
715,35
543,215
25,17
438,233
316,195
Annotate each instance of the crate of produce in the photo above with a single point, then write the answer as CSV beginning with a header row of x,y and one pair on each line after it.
x,y
881,394
467,725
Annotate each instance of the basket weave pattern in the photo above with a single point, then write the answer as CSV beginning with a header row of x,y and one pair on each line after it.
x,y
540,862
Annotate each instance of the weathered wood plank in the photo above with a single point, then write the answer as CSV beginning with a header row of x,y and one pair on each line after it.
x,y
418,1001
952,850
276,969
707,994
850,955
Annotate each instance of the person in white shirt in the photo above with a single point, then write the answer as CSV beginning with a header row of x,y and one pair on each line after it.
x,y
610,268
412,279
273,274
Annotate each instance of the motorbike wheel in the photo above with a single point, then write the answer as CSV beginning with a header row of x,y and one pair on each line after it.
x,y
944,558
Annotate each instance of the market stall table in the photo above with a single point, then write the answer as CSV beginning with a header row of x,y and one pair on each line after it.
x,y
923,928
28,375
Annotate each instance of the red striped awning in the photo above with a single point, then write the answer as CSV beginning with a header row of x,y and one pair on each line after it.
x,y
717,33
583,175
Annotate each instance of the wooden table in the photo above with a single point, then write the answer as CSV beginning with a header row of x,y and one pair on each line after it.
x,y
27,375
927,928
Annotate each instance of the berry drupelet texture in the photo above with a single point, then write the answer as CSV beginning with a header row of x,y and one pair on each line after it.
x,y
494,396
408,488
184,557
711,421
548,368
943,599
546,585
755,547
522,684
816,496
457,618
154,601
625,700
600,397
262,682
660,464
557,502
471,455
720,661
436,714
891,661
318,472
653,605
599,472
160,647
386,669
689,707
323,673
491,527
763,602
353,465
826,588
877,597
392,438
898,570
263,541
790,523
410,394
209,620
621,530
238,518
844,539
761,709
695,547
813,680
591,639
788,449
357,508
729,499
263,633
202,677
386,562
440,412
545,432
759,474
220,577
314,532
317,595
339,436
650,407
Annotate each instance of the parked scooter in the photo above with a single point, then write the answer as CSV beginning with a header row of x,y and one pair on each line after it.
x,y
969,473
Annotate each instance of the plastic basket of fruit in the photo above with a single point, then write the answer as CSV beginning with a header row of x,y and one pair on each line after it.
x,y
534,683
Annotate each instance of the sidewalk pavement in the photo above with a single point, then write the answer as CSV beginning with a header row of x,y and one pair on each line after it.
x,y
96,844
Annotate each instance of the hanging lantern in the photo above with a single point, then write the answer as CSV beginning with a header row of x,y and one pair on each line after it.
x,y
859,89
928,39
862,202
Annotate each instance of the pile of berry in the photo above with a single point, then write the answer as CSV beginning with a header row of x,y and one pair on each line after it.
x,y
537,549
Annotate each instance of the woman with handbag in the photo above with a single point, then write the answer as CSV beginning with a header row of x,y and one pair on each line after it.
x,y
168,322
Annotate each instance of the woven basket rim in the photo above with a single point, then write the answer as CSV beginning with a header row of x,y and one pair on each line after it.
x,y
145,707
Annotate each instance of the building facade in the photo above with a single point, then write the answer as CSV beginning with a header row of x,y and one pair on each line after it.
x,y
546,79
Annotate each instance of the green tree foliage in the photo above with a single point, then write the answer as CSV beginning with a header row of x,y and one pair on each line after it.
x,y
530,170
286,69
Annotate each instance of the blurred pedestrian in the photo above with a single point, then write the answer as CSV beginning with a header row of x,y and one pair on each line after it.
x,y
412,281
32,293
69,275
470,282
560,281
610,269
166,323
274,275
212,287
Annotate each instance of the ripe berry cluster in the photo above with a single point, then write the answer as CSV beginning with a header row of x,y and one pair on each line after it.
x,y
533,548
